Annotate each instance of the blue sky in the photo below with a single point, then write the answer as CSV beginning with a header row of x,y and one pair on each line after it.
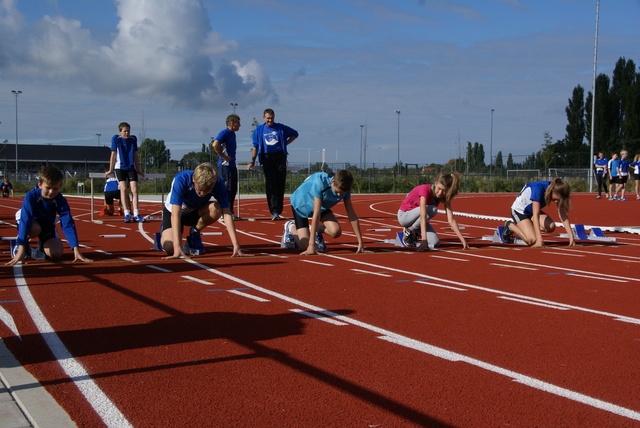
x,y
326,68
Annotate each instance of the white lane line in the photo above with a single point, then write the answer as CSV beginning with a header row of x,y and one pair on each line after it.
x,y
201,281
450,258
247,295
603,278
520,378
625,260
104,407
7,319
552,268
159,268
439,352
529,302
422,281
512,266
316,263
488,290
372,273
557,253
324,317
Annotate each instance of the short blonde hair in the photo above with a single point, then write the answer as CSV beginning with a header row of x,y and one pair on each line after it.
x,y
205,176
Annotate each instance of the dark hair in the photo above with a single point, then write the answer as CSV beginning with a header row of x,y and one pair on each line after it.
x,y
232,118
270,111
343,180
50,174
123,125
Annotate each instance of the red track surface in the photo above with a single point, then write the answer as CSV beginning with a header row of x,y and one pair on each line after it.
x,y
497,335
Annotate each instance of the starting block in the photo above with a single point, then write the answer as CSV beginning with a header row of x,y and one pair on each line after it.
x,y
397,241
580,234
497,237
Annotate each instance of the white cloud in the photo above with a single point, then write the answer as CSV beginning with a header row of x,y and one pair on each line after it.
x,y
163,49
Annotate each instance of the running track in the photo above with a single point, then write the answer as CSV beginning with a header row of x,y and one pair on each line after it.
x,y
497,335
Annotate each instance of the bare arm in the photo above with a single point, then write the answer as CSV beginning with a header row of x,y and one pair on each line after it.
x,y
454,226
355,225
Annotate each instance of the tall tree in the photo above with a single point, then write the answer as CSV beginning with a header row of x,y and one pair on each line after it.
x,y
576,128
153,154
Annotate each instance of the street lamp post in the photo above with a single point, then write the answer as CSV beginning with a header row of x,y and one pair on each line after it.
x,y
398,112
16,93
491,148
98,139
234,105
361,129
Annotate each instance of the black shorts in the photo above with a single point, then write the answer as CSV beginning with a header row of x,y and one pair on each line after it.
x,y
303,222
110,196
614,180
623,179
518,217
127,175
636,176
190,219
47,233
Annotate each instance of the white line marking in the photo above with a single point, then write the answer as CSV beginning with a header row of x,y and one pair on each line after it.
x,y
201,281
7,319
557,253
450,258
104,407
159,268
126,259
240,293
525,380
512,266
562,308
421,281
439,352
325,318
488,290
372,273
625,260
316,263
600,278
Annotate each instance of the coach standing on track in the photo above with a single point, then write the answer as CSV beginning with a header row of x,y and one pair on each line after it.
x,y
270,141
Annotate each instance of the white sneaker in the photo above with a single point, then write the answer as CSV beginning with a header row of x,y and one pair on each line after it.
x,y
288,241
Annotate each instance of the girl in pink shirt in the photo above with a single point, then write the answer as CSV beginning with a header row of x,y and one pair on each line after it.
x,y
421,204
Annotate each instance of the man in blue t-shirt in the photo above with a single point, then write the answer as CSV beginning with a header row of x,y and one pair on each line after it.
x,y
600,164
189,204
314,199
270,141
225,146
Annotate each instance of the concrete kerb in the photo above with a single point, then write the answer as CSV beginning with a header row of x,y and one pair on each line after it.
x,y
23,400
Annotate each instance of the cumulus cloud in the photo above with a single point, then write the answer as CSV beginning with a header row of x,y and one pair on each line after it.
x,y
160,49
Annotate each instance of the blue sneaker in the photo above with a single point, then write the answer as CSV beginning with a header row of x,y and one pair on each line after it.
x,y
623,199
127,218
194,240
139,218
320,244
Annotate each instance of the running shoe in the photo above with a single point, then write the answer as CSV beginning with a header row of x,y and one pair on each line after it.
x,y
194,240
276,217
507,234
103,211
409,238
598,197
127,218
288,241
320,244
139,218
623,199
615,198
